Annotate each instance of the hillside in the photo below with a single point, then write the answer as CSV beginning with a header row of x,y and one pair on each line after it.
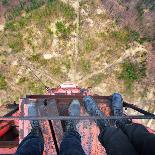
x,y
83,42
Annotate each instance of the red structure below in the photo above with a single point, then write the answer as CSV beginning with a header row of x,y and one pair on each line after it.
x,y
55,103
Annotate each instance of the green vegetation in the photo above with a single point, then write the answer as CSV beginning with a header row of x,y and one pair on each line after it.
x,y
55,8
131,72
90,45
62,30
85,65
120,38
126,36
96,80
36,88
145,4
22,80
15,43
5,2
38,58
27,7
120,1
66,63
3,83
56,70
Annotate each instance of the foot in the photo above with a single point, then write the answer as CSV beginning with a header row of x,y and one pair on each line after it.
x,y
117,104
93,110
117,109
74,110
36,129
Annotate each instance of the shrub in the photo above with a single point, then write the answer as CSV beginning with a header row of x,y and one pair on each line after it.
x,y
62,30
5,2
126,36
35,57
22,80
16,43
9,26
132,72
3,83
56,70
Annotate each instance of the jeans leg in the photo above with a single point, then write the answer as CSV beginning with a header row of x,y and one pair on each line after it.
x,y
143,141
116,142
31,145
71,144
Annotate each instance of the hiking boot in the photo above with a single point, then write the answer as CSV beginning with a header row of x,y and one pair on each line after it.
x,y
117,104
36,129
74,110
93,110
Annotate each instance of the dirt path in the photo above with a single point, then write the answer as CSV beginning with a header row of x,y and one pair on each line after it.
x,y
129,53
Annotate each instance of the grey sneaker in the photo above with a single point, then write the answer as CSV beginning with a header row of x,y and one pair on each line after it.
x,y
117,104
74,110
93,110
36,129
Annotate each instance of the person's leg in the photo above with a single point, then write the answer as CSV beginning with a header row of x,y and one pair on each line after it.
x,y
71,143
113,139
143,141
33,143
116,142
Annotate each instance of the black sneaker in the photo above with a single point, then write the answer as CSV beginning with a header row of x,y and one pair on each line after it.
x,y
93,110
74,110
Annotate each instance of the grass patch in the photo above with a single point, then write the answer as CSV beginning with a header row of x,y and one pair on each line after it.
x,y
132,72
89,45
15,43
3,83
85,65
65,9
22,80
35,13
38,58
35,88
56,70
66,63
62,30
24,6
96,80
126,36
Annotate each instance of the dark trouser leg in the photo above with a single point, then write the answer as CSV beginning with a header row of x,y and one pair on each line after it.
x,y
143,141
31,145
71,144
116,142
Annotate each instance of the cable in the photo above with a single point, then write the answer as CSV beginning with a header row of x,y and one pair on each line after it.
x,y
32,72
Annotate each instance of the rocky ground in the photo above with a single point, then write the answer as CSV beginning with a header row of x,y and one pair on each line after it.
x,y
80,41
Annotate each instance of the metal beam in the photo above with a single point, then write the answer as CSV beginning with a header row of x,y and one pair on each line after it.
x,y
78,117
